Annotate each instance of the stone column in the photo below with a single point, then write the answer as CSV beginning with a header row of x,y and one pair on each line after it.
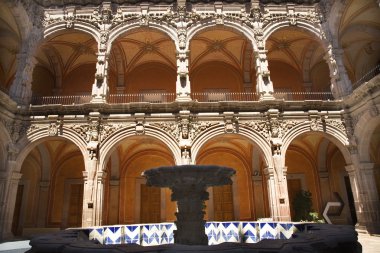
x,y
340,83
272,193
282,200
183,81
264,85
365,196
113,200
325,187
3,202
9,205
100,87
89,188
99,198
43,201
88,202
21,88
257,182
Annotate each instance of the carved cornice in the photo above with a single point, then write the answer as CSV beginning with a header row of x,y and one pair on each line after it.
x,y
51,3
180,17
290,1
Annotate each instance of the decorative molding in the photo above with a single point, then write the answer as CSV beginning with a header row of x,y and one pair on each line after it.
x,y
171,128
262,127
337,123
198,127
106,129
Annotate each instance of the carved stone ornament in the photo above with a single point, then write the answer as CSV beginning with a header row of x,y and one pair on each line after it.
x,y
311,16
107,130
18,129
53,129
93,134
92,148
12,152
314,125
34,127
185,156
261,127
168,127
199,127
82,130
185,128
337,123
140,128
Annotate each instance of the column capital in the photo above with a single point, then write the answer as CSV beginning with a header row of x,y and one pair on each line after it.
x,y
366,166
268,172
45,184
16,175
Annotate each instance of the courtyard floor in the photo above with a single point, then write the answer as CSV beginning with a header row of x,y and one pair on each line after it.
x,y
370,244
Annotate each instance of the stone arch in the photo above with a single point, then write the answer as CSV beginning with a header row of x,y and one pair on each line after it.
x,y
334,18
252,136
124,166
27,143
20,14
5,137
365,128
125,28
333,134
237,27
79,26
232,152
45,170
270,29
112,141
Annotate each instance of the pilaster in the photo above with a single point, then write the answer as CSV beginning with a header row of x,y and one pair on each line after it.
x,y
90,201
340,83
183,89
365,196
43,203
8,208
100,87
264,85
21,88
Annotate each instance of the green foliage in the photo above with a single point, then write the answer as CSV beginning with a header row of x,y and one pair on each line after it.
x,y
302,203
302,206
314,217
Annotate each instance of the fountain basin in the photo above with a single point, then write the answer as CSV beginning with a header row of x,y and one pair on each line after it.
x,y
309,237
189,188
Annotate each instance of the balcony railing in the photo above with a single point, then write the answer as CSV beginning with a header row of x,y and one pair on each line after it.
x,y
368,76
224,96
61,100
158,98
301,96
144,97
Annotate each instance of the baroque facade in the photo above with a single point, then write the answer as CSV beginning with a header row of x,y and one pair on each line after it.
x,y
95,92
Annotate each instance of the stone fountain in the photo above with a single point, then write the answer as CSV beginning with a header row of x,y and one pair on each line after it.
x,y
189,188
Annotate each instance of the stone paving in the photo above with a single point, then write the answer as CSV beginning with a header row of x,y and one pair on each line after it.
x,y
370,244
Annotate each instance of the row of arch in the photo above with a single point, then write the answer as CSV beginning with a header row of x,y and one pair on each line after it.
x,y
85,75
131,155
28,142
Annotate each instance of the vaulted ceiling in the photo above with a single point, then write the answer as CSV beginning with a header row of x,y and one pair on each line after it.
x,y
65,52
10,45
359,36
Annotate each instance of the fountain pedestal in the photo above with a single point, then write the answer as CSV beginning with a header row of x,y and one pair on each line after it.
x,y
189,188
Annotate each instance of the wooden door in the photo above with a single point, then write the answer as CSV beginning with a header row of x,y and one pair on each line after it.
x,y
223,203
150,208
75,205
